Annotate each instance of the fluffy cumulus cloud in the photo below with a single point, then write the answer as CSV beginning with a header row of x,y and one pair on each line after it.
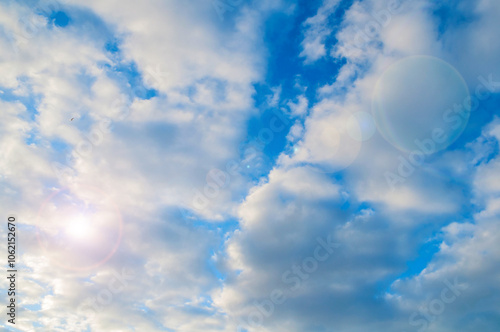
x,y
170,171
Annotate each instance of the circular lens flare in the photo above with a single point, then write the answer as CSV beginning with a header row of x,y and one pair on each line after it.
x,y
421,101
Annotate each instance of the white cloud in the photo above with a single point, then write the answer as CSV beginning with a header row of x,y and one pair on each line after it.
x,y
300,107
316,30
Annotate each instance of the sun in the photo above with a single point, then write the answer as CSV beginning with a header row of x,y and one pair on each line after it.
x,y
79,228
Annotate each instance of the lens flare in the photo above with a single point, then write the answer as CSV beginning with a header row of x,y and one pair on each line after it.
x,y
421,101
79,228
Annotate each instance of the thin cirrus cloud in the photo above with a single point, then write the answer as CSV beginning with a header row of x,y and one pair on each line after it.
x,y
198,189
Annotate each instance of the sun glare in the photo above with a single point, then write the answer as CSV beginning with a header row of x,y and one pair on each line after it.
x,y
78,228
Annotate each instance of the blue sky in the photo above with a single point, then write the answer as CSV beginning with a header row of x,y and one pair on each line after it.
x,y
284,165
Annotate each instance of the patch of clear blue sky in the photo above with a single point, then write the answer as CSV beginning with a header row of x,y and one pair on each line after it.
x,y
448,14
128,76
283,35
480,117
59,18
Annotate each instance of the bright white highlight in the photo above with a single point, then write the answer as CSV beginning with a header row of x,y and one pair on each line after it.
x,y
79,228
